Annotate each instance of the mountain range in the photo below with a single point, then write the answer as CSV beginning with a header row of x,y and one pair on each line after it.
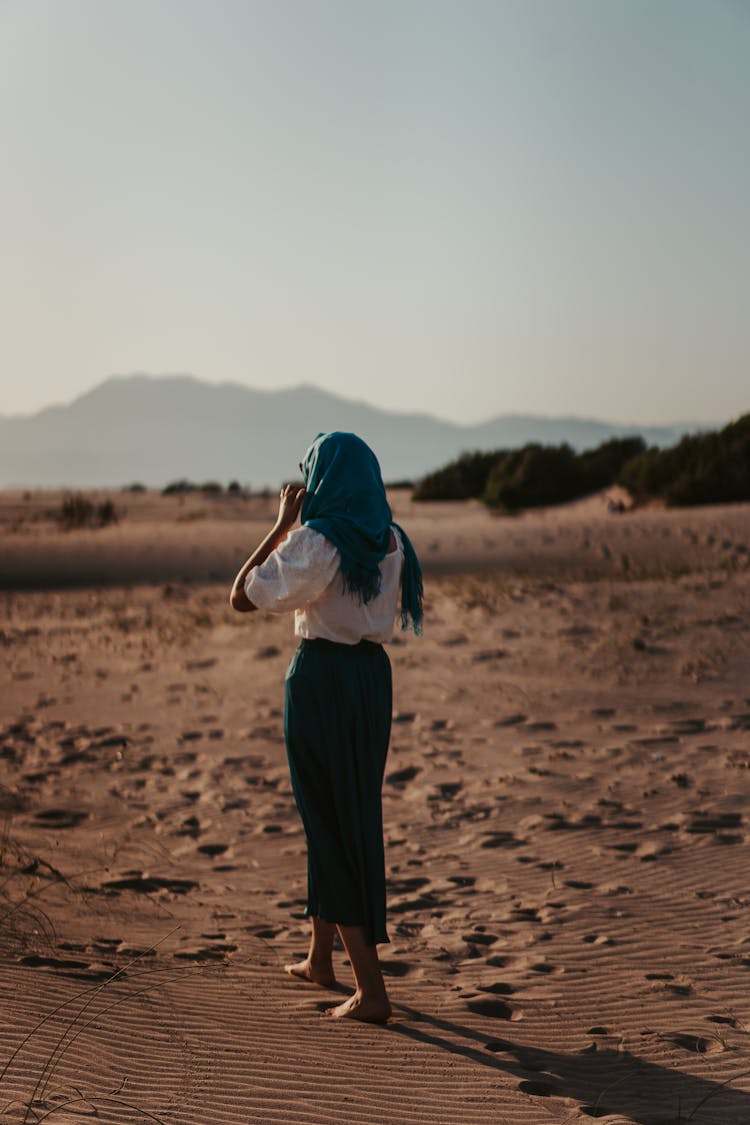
x,y
157,429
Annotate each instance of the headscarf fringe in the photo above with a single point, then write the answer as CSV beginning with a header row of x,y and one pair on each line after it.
x,y
359,581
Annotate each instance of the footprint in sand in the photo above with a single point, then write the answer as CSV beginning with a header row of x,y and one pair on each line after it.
x,y
191,826
498,988
393,968
39,962
696,1043
147,884
191,736
59,818
399,778
77,970
706,822
538,1089
499,961
445,791
500,840
215,952
489,654
615,889
479,937
544,967
493,1009
511,720
212,849
404,886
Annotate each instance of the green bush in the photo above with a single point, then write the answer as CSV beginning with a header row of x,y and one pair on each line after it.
x,y
176,487
707,468
534,476
601,467
463,479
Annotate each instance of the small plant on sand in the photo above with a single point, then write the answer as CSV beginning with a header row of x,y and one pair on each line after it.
x,y
42,1105
23,878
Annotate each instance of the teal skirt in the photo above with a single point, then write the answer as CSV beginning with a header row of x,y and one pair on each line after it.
x,y
337,725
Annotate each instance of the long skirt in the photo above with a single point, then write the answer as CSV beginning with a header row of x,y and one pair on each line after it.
x,y
337,724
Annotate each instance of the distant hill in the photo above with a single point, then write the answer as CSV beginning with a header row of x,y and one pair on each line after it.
x,y
154,430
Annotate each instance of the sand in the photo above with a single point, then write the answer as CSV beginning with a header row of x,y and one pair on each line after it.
x,y
566,830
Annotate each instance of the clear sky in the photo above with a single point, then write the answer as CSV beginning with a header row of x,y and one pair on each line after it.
x,y
458,206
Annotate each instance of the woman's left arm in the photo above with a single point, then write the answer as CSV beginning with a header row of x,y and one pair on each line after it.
x,y
290,503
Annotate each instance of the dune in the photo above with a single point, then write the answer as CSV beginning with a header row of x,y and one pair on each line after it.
x,y
566,828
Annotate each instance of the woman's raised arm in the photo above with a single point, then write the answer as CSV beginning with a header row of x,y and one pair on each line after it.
x,y
290,502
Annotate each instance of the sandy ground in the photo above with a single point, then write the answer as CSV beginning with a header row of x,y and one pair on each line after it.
x,y
565,806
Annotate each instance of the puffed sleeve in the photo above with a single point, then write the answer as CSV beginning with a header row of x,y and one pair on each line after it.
x,y
295,574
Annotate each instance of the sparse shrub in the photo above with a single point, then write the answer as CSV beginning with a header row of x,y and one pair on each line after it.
x,y
77,511
212,488
234,488
176,487
136,487
106,514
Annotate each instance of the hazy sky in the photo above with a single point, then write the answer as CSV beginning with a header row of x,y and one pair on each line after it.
x,y
458,206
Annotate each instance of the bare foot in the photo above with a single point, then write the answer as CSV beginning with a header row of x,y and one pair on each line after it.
x,y
317,974
358,1008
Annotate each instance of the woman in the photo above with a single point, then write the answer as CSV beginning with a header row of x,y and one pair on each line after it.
x,y
341,571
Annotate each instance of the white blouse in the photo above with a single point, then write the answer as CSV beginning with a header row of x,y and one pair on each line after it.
x,y
303,574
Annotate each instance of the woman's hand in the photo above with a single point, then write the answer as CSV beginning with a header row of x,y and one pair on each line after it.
x,y
290,502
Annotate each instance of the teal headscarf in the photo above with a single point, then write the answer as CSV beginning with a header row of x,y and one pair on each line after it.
x,y
345,500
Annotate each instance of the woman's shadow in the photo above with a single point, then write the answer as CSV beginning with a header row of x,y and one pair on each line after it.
x,y
602,1080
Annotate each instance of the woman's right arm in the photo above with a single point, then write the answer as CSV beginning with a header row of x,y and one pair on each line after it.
x,y
290,503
